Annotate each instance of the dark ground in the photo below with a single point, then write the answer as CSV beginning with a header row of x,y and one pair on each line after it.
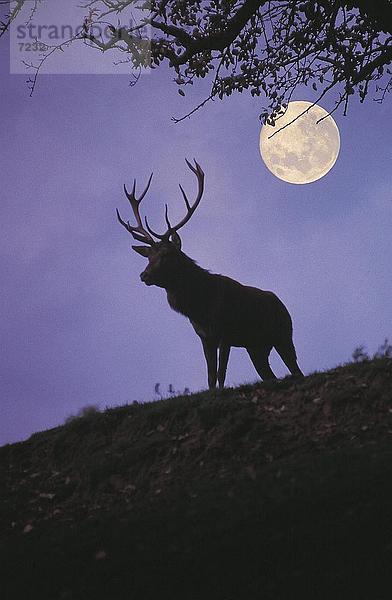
x,y
273,491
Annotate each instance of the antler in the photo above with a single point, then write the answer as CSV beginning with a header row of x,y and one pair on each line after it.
x,y
197,170
138,232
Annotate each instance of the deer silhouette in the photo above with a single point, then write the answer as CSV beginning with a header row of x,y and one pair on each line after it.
x,y
222,311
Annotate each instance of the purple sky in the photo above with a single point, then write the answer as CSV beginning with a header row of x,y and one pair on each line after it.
x,y
78,327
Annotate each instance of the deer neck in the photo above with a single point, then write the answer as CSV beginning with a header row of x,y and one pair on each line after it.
x,y
189,293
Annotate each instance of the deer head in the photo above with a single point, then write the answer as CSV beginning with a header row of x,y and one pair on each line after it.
x,y
163,253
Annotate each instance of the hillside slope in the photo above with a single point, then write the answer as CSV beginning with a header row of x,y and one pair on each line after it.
x,y
275,490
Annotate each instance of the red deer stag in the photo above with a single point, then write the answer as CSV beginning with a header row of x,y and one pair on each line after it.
x,y
223,312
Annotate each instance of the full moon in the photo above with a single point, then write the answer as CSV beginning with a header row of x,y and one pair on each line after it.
x,y
305,150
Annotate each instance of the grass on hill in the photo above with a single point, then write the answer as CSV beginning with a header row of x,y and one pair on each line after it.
x,y
275,490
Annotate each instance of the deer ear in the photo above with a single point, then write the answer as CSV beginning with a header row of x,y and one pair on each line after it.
x,y
143,250
176,240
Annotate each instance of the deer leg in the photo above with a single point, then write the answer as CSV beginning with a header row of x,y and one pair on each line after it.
x,y
224,351
288,355
259,358
210,352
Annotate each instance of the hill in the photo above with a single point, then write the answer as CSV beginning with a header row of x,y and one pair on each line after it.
x,y
275,490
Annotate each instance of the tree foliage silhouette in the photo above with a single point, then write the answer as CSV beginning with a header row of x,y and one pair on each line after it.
x,y
266,47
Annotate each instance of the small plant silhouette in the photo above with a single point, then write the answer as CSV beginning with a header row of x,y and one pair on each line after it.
x,y
171,391
86,412
359,354
383,351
